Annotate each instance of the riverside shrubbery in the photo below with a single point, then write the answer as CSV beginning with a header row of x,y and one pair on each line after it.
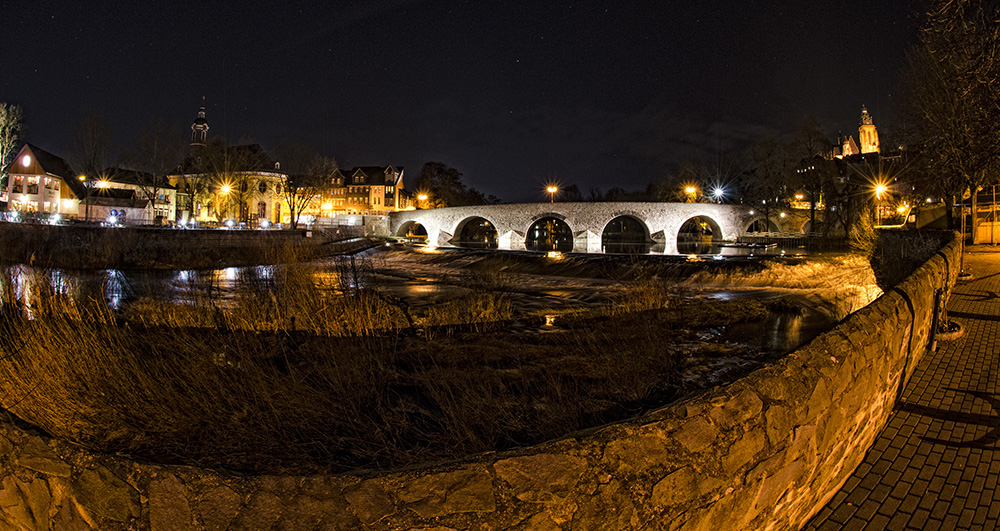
x,y
307,377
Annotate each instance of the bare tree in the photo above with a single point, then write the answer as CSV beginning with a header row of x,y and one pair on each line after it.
x,y
11,127
813,172
232,175
765,182
92,151
156,153
953,95
309,176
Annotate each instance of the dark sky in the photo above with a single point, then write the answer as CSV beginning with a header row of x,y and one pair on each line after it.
x,y
512,94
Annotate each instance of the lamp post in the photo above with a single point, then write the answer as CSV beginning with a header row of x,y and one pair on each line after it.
x,y
421,200
224,190
552,189
86,197
879,190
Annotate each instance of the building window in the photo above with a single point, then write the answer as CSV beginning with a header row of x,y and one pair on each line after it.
x,y
18,186
277,188
32,186
277,212
262,187
261,210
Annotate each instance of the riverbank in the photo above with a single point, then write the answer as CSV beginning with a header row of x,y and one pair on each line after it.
x,y
94,247
328,366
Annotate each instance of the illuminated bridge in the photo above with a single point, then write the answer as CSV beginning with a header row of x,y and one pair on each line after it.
x,y
587,227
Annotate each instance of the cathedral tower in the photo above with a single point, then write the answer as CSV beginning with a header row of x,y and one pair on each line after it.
x,y
867,134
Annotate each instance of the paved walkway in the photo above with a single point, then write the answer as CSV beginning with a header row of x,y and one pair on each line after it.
x,y
936,464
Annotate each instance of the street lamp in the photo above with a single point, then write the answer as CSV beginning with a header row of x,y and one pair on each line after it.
x,y
690,192
421,200
86,196
880,189
718,193
552,189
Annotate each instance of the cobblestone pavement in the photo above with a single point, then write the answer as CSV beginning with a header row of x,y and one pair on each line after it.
x,y
936,464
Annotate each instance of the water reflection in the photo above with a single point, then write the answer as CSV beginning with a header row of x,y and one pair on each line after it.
x,y
118,288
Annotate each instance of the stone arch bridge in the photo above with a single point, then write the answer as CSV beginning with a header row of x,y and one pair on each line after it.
x,y
591,227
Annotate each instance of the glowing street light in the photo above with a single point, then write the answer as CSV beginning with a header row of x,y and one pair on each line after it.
x,y
879,190
224,189
552,189
718,193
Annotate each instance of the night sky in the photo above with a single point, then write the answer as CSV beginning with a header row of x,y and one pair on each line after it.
x,y
512,94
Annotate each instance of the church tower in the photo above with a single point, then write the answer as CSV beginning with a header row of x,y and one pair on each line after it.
x,y
199,129
867,134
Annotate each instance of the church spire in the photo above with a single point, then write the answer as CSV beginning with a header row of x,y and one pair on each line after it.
x,y
199,128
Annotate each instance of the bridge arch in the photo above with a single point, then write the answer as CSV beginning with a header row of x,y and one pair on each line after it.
x,y
626,233
549,232
761,224
411,228
476,232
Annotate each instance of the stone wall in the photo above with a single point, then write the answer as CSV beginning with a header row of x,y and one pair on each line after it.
x,y
764,452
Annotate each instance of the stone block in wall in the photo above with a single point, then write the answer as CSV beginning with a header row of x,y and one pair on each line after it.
x,y
741,407
217,507
611,508
25,504
639,449
103,495
369,501
444,493
696,434
541,478
168,505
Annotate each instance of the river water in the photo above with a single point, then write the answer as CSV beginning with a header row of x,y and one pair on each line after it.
x,y
827,288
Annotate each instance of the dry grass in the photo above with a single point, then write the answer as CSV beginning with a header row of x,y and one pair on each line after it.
x,y
290,376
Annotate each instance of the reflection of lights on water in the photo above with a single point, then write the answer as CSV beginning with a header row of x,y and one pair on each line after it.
x,y
554,255
115,288
264,272
550,320
693,258
718,257
429,249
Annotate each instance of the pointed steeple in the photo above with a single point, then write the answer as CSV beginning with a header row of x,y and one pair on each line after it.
x,y
199,128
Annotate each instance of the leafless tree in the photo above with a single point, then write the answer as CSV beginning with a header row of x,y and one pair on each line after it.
x,y
11,127
92,151
309,176
157,152
953,95
765,182
808,157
